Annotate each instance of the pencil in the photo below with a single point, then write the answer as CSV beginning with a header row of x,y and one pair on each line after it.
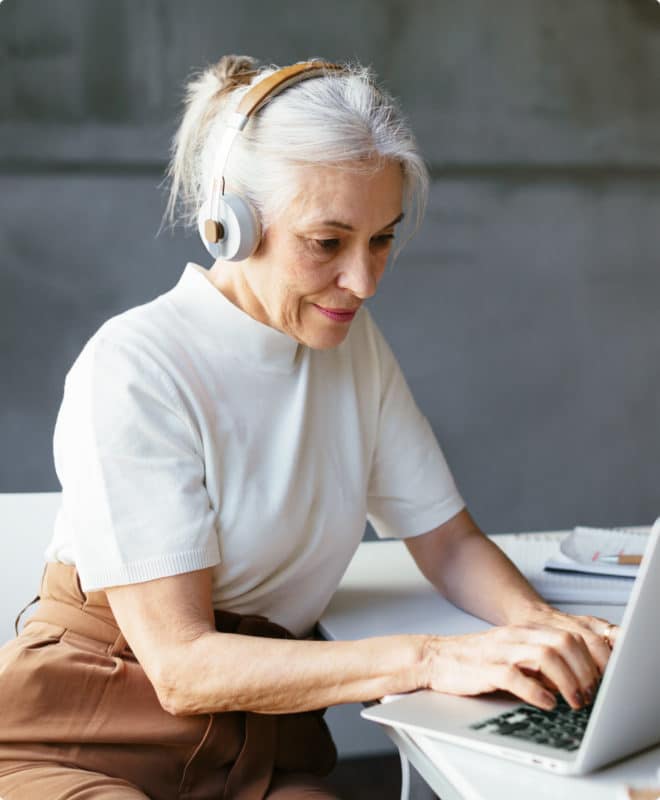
x,y
622,558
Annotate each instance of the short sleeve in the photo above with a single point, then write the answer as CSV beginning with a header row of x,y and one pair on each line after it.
x,y
132,471
411,488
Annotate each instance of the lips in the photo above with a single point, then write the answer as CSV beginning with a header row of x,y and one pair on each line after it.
x,y
338,314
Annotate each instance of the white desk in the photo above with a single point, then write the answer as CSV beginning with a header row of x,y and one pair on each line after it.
x,y
382,593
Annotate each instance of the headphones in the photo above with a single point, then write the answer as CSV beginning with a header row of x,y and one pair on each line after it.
x,y
227,223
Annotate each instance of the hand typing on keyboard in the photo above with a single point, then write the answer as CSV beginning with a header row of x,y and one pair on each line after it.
x,y
532,661
537,650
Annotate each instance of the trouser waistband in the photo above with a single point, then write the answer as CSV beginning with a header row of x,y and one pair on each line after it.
x,y
81,622
62,602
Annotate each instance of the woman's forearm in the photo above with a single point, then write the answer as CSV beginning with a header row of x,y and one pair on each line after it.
x,y
468,569
482,580
230,672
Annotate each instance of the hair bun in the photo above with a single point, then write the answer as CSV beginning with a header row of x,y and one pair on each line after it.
x,y
233,71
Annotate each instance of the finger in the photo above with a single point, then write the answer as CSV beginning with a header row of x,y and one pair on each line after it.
x,y
600,639
524,686
549,661
541,678
576,654
598,634
560,656
599,649
599,626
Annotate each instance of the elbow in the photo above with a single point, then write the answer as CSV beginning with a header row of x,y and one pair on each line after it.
x,y
169,705
170,688
175,700
181,682
181,697
173,704
168,695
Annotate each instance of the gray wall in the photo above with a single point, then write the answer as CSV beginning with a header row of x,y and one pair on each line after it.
x,y
525,314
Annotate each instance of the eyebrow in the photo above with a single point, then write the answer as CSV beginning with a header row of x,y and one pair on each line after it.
x,y
334,223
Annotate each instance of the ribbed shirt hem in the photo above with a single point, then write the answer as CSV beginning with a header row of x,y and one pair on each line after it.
x,y
149,569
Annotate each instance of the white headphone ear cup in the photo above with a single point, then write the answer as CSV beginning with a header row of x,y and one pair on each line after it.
x,y
241,228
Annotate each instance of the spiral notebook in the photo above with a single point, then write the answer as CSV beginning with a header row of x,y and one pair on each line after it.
x,y
531,552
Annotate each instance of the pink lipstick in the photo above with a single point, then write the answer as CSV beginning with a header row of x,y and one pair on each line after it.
x,y
338,314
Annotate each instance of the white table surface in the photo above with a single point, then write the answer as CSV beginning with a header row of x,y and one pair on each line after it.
x,y
383,593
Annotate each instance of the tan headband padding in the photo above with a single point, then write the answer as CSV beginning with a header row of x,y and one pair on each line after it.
x,y
280,80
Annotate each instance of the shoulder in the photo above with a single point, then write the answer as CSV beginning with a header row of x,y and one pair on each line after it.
x,y
149,330
143,342
125,366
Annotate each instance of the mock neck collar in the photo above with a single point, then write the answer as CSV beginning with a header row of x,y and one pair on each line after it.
x,y
234,331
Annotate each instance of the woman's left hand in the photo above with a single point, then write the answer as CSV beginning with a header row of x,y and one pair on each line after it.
x,y
598,634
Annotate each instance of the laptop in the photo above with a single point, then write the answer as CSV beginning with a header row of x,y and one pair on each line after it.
x,y
623,719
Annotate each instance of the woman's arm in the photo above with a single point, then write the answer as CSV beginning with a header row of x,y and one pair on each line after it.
x,y
472,572
194,669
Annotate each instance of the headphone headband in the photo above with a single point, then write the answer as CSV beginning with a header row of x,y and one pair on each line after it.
x,y
257,97
212,228
278,81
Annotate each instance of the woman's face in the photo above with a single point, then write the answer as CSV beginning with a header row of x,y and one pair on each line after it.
x,y
322,257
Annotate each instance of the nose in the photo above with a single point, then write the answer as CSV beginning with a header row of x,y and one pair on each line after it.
x,y
359,275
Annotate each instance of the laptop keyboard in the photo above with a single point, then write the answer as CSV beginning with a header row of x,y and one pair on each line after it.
x,y
562,727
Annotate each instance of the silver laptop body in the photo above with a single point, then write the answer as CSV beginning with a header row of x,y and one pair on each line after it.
x,y
625,717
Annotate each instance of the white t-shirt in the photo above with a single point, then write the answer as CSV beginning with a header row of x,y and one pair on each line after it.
x,y
190,436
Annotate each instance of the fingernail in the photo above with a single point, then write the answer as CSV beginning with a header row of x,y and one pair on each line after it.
x,y
589,694
579,698
549,700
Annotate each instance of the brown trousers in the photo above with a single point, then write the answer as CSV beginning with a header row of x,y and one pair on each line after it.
x,y
79,719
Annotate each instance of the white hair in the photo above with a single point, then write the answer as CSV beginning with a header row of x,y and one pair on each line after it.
x,y
340,119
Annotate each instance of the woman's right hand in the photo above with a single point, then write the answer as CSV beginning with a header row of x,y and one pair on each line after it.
x,y
525,660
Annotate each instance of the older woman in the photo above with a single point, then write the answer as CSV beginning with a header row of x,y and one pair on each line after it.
x,y
220,449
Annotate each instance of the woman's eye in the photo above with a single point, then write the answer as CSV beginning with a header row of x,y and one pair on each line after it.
x,y
326,245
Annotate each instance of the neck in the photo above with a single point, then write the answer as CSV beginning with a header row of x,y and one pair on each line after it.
x,y
229,278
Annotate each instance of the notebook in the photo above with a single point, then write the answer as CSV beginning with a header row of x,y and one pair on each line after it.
x,y
582,549
624,718
531,552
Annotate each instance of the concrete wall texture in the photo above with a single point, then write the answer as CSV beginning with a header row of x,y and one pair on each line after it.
x,y
525,313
